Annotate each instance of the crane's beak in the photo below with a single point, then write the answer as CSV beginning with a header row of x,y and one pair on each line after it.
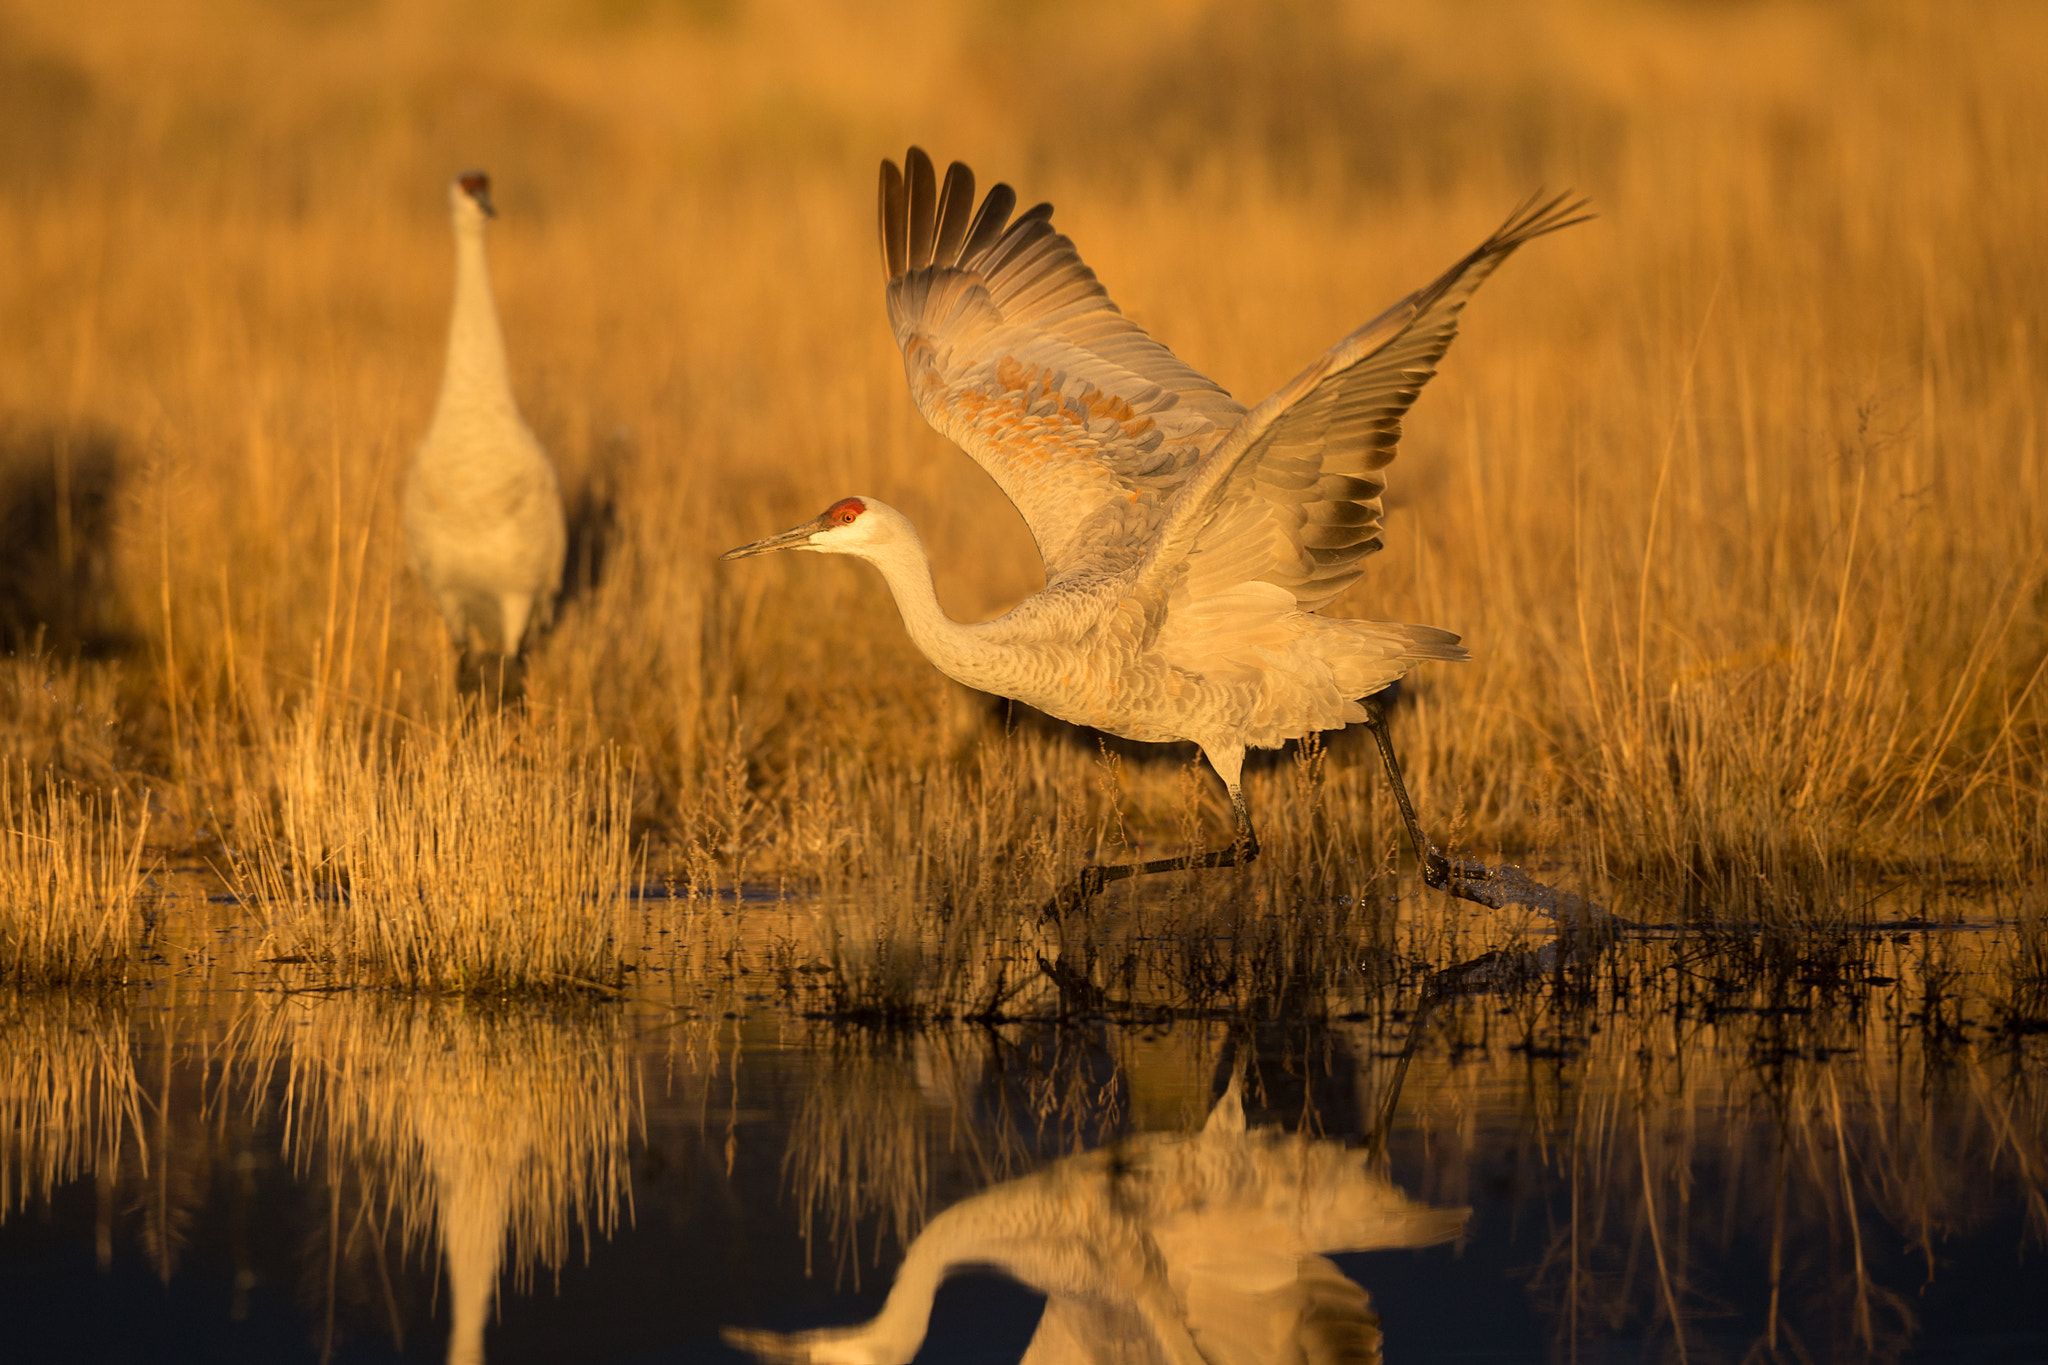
x,y
794,539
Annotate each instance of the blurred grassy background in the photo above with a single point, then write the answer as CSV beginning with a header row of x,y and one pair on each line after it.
x,y
1736,493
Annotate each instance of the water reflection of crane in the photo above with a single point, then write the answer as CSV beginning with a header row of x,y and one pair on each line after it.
x,y
1203,1248
1189,543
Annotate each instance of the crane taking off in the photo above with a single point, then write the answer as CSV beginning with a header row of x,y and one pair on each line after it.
x,y
483,515
1189,543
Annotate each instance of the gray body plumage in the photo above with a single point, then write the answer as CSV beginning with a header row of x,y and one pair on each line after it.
x,y
1235,670
1189,542
483,513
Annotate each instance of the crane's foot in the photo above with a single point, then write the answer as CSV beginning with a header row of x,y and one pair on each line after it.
x,y
1445,873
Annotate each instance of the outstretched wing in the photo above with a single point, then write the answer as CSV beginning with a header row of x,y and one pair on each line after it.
x,y
1291,496
1015,351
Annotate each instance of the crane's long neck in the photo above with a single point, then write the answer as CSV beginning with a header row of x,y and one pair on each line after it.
x,y
956,649
957,1237
893,1335
476,374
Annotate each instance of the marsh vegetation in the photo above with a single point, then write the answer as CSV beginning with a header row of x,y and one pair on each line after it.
x,y
721,957
1735,494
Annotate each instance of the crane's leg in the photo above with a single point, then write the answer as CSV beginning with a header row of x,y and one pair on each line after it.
x,y
498,680
1437,870
493,668
514,610
1089,881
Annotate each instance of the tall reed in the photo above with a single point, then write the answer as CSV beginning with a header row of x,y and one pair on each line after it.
x,y
474,861
72,875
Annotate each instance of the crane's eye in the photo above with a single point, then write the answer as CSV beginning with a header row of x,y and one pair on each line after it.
x,y
846,518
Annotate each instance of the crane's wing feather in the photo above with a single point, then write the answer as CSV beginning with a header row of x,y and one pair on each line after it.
x,y
1015,351
1291,496
1309,1311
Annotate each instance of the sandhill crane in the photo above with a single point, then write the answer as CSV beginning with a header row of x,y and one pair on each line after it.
x,y
483,515
1198,1248
1189,543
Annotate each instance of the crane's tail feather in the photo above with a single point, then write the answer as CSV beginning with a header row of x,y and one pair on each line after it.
x,y
1430,642
1315,673
1377,653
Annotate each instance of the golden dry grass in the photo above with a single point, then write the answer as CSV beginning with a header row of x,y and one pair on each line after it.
x,y
1736,493
475,862
71,882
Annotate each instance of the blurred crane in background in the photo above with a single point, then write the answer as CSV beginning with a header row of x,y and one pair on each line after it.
x,y
1189,543
483,514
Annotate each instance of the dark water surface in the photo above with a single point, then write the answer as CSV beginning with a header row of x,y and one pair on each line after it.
x,y
1681,1154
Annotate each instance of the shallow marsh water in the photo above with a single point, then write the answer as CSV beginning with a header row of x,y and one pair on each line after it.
x,y
1678,1148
